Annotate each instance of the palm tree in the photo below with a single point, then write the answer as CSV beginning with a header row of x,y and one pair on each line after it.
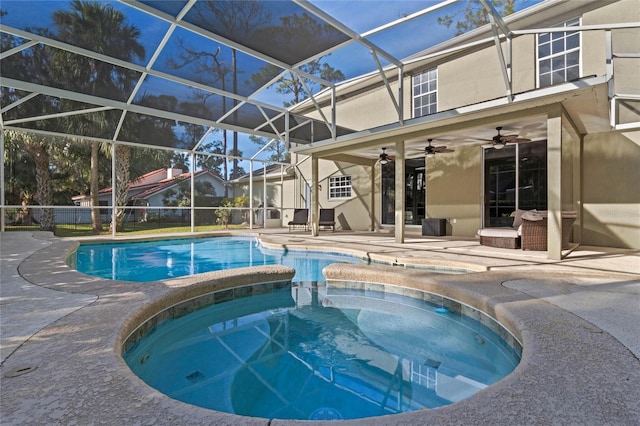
x,y
102,29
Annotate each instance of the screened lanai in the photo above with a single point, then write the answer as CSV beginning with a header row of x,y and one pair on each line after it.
x,y
230,88
109,72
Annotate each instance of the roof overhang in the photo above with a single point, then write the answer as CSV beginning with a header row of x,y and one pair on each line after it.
x,y
585,101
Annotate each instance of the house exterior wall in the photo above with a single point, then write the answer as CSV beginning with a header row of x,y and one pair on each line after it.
x,y
611,187
469,79
372,106
156,200
351,213
453,188
592,163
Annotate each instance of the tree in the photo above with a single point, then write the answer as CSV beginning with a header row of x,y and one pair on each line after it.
x,y
275,147
102,29
236,20
238,170
474,15
212,162
37,147
296,32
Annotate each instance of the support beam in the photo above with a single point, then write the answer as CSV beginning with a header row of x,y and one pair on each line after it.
x,y
400,192
264,195
372,200
114,184
554,184
251,193
314,196
385,80
2,201
193,192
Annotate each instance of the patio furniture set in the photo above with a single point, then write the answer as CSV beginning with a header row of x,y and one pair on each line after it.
x,y
529,231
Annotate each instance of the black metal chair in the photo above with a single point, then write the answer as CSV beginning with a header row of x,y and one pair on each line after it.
x,y
300,218
327,218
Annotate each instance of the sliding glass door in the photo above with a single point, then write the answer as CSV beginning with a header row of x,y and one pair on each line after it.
x,y
514,177
415,192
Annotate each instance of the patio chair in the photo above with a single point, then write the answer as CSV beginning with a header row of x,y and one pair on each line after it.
x,y
534,230
300,218
327,218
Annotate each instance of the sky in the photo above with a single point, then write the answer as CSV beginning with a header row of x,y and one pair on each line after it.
x,y
353,60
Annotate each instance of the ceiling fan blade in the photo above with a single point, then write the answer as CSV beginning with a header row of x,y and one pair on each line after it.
x,y
440,149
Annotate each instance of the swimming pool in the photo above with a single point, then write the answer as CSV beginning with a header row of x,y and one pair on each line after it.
x,y
145,261
323,352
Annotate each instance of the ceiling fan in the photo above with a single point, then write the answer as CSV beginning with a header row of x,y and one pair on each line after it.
x,y
430,151
499,141
384,158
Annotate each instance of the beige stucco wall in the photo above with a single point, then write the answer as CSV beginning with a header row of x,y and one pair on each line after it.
x,y
470,79
611,190
351,214
360,112
453,189
626,71
523,77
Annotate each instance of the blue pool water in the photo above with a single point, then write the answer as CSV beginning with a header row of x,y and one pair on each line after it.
x,y
155,260
300,351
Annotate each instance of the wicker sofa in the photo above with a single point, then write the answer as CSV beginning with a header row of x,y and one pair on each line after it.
x,y
534,229
529,231
503,237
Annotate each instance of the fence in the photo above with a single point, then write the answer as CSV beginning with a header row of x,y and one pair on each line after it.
x,y
19,218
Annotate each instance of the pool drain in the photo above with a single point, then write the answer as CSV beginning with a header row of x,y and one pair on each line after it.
x,y
326,413
19,371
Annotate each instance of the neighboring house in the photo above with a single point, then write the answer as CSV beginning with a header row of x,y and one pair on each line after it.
x,y
567,87
163,188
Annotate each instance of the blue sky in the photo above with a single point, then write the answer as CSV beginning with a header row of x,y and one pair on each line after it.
x,y
355,59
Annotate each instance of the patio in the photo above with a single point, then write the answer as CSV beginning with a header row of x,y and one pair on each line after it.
x,y
577,319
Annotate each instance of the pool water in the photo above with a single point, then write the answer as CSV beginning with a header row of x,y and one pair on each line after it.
x,y
156,260
303,351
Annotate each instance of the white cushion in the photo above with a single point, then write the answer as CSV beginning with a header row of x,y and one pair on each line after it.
x,y
517,218
498,232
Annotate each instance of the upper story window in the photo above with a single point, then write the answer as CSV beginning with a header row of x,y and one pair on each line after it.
x,y
559,55
339,187
425,93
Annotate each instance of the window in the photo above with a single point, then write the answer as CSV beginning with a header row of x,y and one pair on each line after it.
x,y
425,93
339,187
559,56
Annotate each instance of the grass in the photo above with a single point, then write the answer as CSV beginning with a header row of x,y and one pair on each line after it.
x,y
85,230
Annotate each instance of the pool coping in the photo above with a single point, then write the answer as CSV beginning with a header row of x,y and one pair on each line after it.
x,y
571,370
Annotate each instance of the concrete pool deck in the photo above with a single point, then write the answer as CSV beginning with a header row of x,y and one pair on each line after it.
x,y
577,318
